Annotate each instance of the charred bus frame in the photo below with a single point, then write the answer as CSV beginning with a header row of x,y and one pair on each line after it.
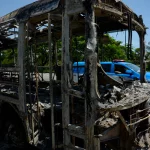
x,y
64,19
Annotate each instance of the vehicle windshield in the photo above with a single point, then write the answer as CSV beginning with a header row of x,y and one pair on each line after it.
x,y
133,67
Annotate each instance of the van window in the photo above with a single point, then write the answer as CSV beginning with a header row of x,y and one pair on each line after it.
x,y
120,68
134,67
106,67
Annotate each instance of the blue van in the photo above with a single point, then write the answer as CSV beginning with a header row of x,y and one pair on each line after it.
x,y
116,68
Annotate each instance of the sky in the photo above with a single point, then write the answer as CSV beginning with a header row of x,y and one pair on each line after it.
x,y
140,7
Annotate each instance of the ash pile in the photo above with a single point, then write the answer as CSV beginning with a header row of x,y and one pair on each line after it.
x,y
129,105
126,96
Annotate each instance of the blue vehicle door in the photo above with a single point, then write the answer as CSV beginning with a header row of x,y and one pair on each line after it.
x,y
121,71
108,68
78,70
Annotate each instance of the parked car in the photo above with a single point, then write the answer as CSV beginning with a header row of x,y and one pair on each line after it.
x,y
118,68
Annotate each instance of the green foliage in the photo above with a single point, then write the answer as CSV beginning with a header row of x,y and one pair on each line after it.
x,y
136,56
147,47
111,49
8,57
108,49
78,47
147,57
42,54
59,49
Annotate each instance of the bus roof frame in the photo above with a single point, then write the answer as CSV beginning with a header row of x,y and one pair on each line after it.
x,y
31,10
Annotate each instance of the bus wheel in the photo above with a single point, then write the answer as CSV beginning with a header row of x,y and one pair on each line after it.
x,y
13,135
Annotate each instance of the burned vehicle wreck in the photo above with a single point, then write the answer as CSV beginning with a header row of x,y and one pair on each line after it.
x,y
97,113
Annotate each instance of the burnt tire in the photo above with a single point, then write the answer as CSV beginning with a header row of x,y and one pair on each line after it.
x,y
12,131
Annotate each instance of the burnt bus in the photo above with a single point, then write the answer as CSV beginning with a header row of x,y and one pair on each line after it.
x,y
40,105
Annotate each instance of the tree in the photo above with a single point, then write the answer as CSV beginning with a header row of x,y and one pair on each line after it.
x,y
42,53
9,57
147,56
78,47
136,56
110,49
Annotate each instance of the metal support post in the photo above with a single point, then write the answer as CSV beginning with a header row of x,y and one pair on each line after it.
x,y
51,80
21,65
91,78
142,57
64,78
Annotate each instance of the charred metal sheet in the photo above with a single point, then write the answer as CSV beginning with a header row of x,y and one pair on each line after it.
x,y
76,131
76,93
118,10
104,79
75,6
31,10
13,69
9,99
111,133
123,121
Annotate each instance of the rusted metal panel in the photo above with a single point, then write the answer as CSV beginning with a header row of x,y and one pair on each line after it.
x,y
31,10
